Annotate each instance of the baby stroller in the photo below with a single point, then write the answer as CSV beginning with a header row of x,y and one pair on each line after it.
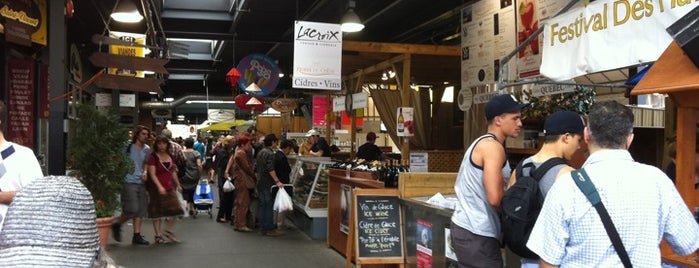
x,y
203,199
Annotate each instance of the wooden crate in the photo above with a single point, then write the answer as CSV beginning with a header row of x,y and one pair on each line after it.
x,y
426,184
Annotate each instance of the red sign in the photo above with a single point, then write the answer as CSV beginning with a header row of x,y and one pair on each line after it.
x,y
245,101
20,102
320,105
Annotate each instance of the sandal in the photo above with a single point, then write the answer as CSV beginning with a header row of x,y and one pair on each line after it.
x,y
171,236
159,239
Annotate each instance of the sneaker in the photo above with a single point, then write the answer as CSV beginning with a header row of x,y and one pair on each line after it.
x,y
139,240
116,231
273,233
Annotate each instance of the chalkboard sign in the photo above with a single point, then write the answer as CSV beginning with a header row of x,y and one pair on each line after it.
x,y
376,226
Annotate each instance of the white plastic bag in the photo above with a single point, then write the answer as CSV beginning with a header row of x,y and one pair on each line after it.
x,y
228,186
283,201
183,203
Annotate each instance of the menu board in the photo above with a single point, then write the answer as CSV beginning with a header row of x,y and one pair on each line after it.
x,y
20,102
377,226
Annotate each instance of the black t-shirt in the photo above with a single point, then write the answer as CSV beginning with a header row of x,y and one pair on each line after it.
x,y
322,145
369,152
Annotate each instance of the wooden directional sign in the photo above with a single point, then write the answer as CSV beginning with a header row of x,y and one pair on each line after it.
x,y
102,59
129,83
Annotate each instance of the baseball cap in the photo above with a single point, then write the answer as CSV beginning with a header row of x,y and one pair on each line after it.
x,y
312,132
371,136
562,122
501,104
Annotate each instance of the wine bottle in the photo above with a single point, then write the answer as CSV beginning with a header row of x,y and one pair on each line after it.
x,y
401,121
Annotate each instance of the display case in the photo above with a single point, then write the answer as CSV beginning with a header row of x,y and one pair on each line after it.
x,y
309,175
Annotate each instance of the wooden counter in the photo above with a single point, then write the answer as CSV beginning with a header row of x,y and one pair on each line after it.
x,y
337,239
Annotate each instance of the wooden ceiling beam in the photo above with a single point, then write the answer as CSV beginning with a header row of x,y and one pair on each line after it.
x,y
376,67
401,48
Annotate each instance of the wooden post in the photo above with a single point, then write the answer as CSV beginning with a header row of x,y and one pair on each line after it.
x,y
328,115
405,102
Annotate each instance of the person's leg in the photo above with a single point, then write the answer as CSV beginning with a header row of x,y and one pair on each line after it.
x,y
159,239
170,229
473,250
129,208
265,211
242,198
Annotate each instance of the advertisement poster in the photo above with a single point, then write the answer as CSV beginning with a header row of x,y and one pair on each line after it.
x,y
20,102
424,244
404,122
320,105
532,14
345,205
487,35
317,56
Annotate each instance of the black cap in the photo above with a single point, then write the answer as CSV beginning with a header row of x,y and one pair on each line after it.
x,y
501,104
563,122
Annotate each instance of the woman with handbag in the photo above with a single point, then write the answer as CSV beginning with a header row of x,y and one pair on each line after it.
x,y
162,184
244,180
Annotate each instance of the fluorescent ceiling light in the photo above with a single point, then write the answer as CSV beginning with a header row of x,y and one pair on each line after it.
x,y
350,21
190,40
126,12
168,99
211,101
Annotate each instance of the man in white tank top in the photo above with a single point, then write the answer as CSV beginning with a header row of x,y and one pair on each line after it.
x,y
480,186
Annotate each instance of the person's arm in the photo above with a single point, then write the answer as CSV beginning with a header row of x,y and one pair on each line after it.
x,y
492,169
269,162
544,264
154,178
229,166
244,164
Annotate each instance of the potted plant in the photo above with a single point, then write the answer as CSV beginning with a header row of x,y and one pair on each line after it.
x,y
98,159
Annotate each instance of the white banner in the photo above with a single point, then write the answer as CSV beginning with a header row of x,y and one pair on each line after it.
x,y
317,55
607,35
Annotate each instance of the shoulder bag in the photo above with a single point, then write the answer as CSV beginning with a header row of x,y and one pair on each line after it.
x,y
588,188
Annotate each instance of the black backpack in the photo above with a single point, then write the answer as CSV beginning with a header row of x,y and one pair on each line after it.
x,y
521,206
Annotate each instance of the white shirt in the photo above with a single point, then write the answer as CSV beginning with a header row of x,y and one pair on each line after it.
x,y
642,202
16,171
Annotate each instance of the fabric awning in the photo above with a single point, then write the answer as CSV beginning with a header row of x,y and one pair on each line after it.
x,y
227,125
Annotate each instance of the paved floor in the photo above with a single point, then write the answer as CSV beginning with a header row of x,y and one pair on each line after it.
x,y
206,243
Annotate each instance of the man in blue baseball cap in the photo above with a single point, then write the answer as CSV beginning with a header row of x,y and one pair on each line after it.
x,y
480,186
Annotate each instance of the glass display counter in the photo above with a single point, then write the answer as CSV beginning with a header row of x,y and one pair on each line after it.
x,y
309,177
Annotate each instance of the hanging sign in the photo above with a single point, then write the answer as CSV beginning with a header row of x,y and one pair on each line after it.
x,y
260,75
284,105
245,101
606,35
25,21
317,55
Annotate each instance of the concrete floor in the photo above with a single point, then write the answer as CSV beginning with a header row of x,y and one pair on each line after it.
x,y
206,243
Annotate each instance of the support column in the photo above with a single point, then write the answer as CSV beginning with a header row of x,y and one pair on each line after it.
x,y
57,86
405,102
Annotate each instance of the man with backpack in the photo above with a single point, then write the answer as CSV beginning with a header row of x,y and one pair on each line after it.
x,y
532,179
